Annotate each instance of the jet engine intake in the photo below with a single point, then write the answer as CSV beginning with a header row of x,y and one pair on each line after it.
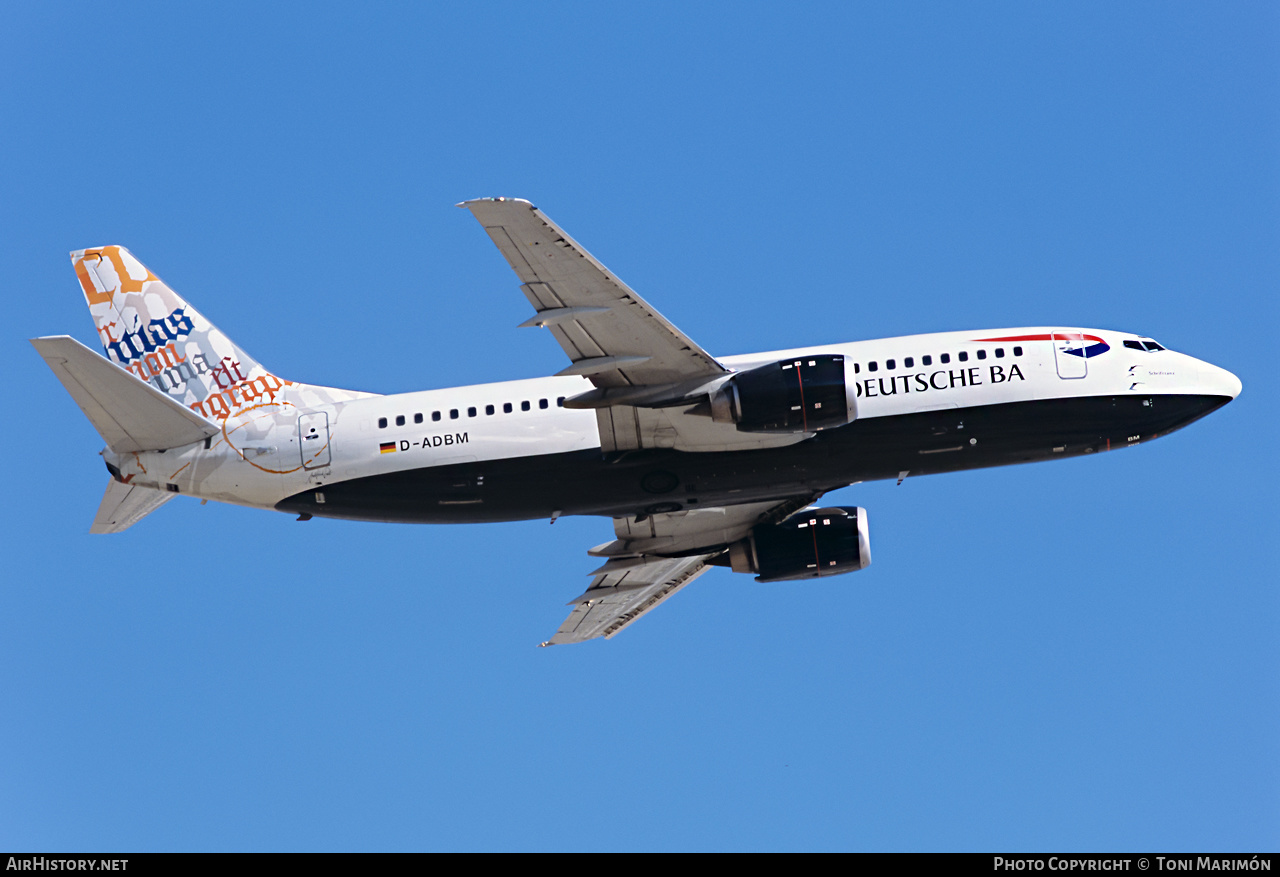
x,y
801,395
809,544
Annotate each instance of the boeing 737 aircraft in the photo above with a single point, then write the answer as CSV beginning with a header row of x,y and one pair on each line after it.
x,y
700,461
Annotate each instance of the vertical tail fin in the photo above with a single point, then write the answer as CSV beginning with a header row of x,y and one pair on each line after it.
x,y
150,330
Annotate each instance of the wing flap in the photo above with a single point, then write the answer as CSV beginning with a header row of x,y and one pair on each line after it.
x,y
687,531
617,599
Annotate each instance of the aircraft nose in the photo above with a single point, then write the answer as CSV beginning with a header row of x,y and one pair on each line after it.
x,y
1218,381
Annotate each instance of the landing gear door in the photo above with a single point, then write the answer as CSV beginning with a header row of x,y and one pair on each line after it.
x,y
1069,355
313,438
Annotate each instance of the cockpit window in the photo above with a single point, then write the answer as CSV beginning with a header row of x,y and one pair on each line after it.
x,y
1151,345
1133,345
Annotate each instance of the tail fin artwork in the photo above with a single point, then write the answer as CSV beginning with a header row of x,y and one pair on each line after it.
x,y
173,380
150,330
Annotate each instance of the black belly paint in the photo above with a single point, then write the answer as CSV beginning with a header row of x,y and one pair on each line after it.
x,y
654,481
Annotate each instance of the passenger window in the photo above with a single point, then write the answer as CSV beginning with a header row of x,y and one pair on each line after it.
x,y
873,366
435,415
982,354
471,412
417,418
524,406
453,413
489,409
999,353
856,368
506,407
926,360
944,358
963,356
382,423
890,364
560,402
1017,351
542,403
399,420
909,362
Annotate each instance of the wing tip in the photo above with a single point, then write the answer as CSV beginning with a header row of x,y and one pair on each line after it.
x,y
470,202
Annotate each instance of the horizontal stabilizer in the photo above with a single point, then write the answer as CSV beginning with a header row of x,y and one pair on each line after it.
x,y
128,413
123,505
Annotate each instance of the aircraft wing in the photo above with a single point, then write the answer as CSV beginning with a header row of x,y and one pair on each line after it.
x,y
612,335
654,557
616,599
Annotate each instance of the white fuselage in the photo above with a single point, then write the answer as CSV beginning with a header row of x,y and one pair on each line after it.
x,y
279,450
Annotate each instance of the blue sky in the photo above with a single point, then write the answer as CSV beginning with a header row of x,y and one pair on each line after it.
x,y
1077,655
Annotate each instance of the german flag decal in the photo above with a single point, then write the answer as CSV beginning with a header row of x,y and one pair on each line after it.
x,y
387,447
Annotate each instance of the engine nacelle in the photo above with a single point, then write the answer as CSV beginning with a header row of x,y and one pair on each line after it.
x,y
805,394
809,544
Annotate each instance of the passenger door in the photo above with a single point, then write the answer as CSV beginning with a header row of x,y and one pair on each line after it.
x,y
1069,355
313,439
